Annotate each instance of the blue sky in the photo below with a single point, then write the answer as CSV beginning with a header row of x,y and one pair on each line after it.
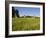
x,y
28,11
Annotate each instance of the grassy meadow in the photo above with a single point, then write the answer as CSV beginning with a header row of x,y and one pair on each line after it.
x,y
25,24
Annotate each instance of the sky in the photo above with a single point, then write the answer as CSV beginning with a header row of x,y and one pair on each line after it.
x,y
28,11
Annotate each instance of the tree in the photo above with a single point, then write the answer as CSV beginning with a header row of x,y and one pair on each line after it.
x,y
13,12
17,13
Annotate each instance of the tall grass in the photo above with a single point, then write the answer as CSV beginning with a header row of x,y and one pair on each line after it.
x,y
23,24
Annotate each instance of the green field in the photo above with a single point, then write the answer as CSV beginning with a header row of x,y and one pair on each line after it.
x,y
24,24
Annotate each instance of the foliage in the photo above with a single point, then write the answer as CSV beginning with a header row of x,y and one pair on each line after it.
x,y
15,13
